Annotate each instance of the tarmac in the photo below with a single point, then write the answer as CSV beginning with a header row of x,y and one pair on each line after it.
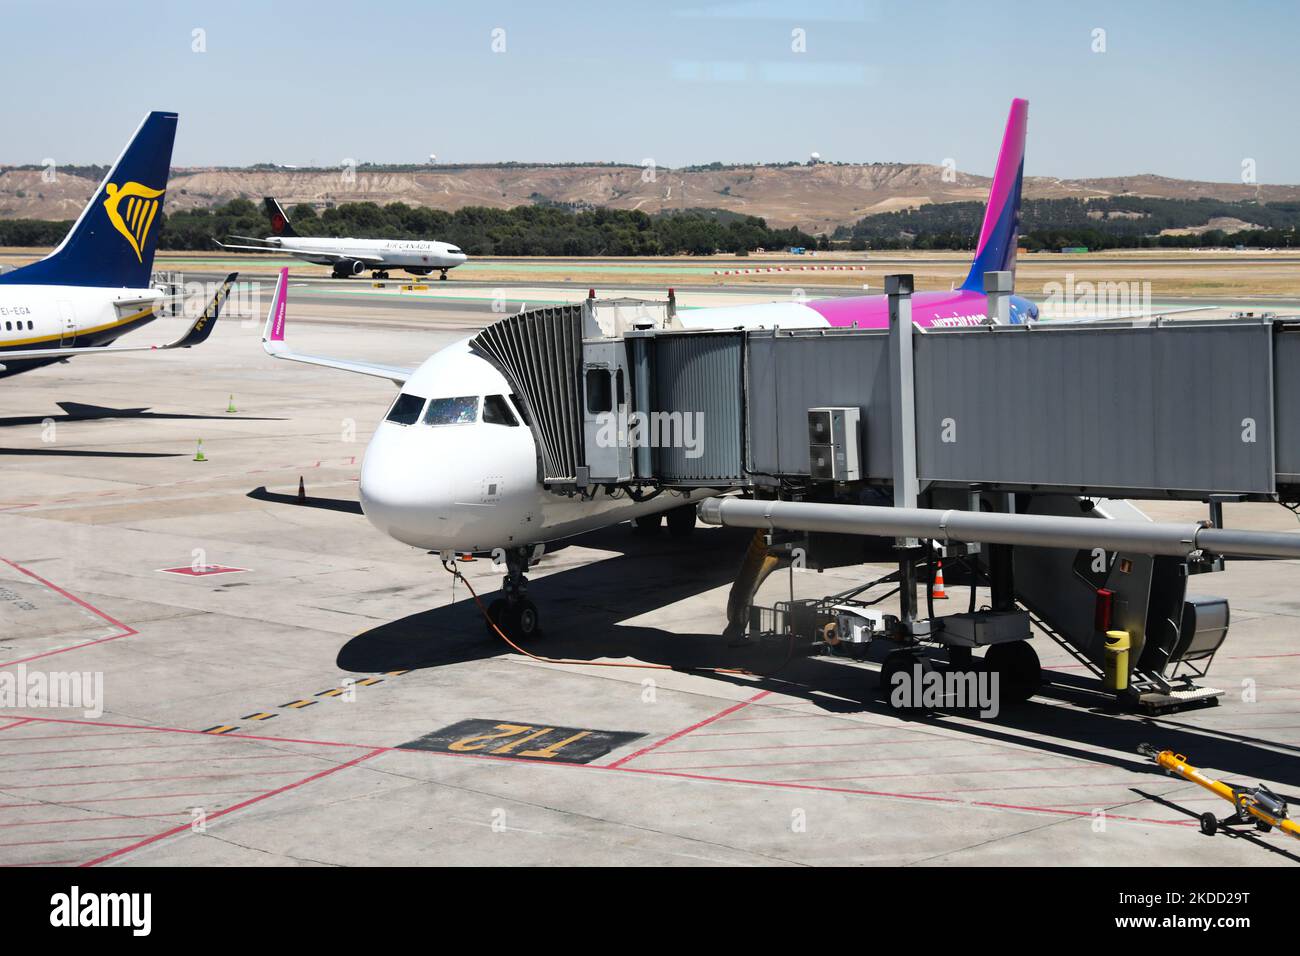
x,y
323,695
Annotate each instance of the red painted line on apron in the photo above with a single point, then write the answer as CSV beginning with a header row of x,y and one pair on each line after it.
x,y
238,806
126,629
683,732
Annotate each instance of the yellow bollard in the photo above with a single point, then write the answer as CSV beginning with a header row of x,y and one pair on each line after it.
x,y
1115,666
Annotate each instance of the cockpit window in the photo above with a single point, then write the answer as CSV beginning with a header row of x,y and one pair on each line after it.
x,y
520,408
406,410
453,251
452,411
497,412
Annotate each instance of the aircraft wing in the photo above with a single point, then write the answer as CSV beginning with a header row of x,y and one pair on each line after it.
x,y
273,342
1154,314
321,256
224,245
195,335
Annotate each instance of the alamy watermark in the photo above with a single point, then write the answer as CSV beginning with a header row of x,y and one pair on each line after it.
x,y
1073,299
923,689
21,688
684,430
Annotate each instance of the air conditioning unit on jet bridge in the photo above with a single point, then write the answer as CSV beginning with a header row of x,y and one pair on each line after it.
x,y
834,444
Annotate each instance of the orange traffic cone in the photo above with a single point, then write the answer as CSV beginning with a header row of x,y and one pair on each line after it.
x,y
936,590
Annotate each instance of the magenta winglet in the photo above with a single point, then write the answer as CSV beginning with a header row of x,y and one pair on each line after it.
x,y
281,304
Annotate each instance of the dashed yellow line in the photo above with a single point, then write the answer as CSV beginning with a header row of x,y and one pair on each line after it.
x,y
302,702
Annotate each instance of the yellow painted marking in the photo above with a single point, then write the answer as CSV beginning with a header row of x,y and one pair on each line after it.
x,y
546,753
332,692
221,729
305,702
370,680
472,743
506,748
260,715
396,673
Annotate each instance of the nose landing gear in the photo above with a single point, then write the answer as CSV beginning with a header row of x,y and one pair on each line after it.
x,y
514,613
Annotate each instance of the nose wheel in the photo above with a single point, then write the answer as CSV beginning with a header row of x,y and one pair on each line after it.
x,y
514,613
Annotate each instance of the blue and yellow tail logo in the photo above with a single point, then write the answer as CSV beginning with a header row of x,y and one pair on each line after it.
x,y
141,206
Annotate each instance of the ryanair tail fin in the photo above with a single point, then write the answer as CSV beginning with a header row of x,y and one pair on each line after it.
x,y
279,221
1000,234
113,240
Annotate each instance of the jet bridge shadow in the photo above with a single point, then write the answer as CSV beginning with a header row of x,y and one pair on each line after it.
x,y
78,412
591,611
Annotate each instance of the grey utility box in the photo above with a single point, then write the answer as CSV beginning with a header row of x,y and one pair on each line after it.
x,y
834,449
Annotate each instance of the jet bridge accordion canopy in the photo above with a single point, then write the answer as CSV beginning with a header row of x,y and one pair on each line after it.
x,y
540,354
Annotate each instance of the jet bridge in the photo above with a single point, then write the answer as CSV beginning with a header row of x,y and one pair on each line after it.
x,y
1037,419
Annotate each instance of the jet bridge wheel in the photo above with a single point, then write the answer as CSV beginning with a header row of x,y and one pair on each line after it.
x,y
681,521
1019,672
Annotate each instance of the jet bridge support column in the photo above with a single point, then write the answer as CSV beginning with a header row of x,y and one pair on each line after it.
x,y
902,384
998,287
642,462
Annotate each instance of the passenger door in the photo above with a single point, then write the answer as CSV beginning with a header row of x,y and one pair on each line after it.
x,y
67,324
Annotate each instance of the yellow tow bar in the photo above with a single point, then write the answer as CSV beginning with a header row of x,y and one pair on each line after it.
x,y
1258,805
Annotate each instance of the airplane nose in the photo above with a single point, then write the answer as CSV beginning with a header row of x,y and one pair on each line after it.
x,y
398,494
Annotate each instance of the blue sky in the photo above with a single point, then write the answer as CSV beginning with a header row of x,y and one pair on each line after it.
x,y
1186,89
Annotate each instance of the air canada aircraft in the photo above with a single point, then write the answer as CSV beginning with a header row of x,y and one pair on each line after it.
x,y
452,468
351,257
94,287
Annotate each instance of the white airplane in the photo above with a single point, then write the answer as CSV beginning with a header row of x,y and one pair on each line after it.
x,y
452,468
94,287
351,257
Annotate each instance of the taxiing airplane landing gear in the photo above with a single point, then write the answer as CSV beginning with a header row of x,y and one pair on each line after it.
x,y
381,274
515,613
443,277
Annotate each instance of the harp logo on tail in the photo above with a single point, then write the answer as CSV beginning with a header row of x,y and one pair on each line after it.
x,y
134,221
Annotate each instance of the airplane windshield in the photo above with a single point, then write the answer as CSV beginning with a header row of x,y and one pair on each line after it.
x,y
452,411
406,410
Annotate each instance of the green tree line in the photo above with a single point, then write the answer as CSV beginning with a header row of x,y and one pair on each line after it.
x,y
540,230
1119,222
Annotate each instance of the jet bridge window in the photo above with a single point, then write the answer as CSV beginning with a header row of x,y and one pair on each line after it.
x,y
600,394
406,410
452,411
497,412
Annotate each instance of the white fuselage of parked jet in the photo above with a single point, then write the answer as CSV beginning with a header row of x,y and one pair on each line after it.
x,y
372,253
462,476
39,317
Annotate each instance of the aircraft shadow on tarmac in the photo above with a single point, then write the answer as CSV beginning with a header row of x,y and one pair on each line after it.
x,y
260,493
77,412
582,608
84,453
